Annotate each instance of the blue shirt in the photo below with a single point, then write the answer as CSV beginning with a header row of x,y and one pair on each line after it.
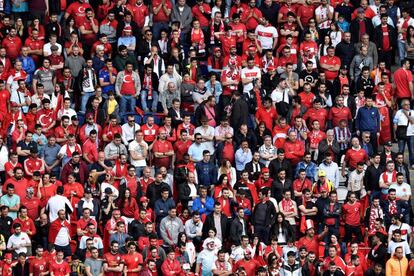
x,y
10,202
104,74
368,119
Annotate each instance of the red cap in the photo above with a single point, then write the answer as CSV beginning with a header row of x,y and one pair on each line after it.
x,y
143,199
270,68
14,104
217,49
8,256
265,170
127,28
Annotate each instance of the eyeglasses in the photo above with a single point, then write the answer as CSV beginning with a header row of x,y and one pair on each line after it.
x,y
198,138
229,138
132,121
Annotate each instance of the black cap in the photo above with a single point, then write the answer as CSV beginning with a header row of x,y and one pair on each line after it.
x,y
108,190
344,66
89,191
389,144
34,150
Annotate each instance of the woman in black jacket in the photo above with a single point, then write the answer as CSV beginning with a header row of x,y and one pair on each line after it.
x,y
281,229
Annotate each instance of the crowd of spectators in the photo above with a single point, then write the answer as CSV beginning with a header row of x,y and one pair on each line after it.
x,y
206,137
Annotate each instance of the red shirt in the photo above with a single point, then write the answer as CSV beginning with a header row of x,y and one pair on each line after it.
x,y
227,75
128,84
385,38
330,75
161,16
310,244
77,11
204,21
181,147
170,268
321,115
353,157
91,150
266,116
402,78
351,213
139,13
13,46
251,23
315,137
33,207
163,147
132,262
228,152
249,265
89,39
294,151
107,49
34,44
305,13
227,43
285,9
336,114
150,133
27,225
4,100
299,185
38,266
34,164
307,99
337,260
59,269
113,261
19,186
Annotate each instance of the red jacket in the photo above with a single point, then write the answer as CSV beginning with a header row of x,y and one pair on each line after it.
x,y
170,268
294,151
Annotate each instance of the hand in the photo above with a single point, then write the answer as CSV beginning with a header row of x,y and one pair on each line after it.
x,y
343,173
358,132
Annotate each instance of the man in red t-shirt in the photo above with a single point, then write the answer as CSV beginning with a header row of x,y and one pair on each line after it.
x,y
12,43
316,113
113,262
339,112
161,10
78,11
351,212
59,267
354,155
403,80
133,260
163,151
39,265
330,64
266,113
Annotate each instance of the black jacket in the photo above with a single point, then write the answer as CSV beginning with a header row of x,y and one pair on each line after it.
x,y
380,255
253,175
209,224
276,164
278,188
270,213
379,37
371,177
354,29
383,161
346,52
335,214
323,148
249,137
136,229
405,170
175,119
239,113
236,230
184,191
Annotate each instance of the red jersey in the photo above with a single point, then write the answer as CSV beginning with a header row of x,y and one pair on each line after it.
x,y
353,157
161,16
250,266
139,12
227,43
38,266
4,100
91,149
61,269
33,207
132,261
351,213
307,99
180,148
402,79
337,260
89,39
336,114
251,23
19,186
266,116
150,132
285,9
299,185
315,137
305,13
27,225
170,268
321,115
34,164
204,21
13,45
77,11
113,261
330,75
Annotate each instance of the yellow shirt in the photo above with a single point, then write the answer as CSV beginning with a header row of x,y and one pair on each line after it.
x,y
111,106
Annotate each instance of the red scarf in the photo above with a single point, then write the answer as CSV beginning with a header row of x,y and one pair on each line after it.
x,y
373,215
393,207
221,29
287,205
69,153
120,171
148,85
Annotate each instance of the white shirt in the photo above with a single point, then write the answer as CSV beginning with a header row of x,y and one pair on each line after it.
x,y
48,52
401,120
332,172
4,156
401,190
279,95
38,101
134,146
266,34
68,112
97,242
209,145
399,26
128,132
405,230
62,237
14,241
322,12
253,73
55,204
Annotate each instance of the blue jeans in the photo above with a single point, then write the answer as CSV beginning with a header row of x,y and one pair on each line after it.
x,y
67,251
411,149
139,170
145,102
128,103
157,27
85,98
